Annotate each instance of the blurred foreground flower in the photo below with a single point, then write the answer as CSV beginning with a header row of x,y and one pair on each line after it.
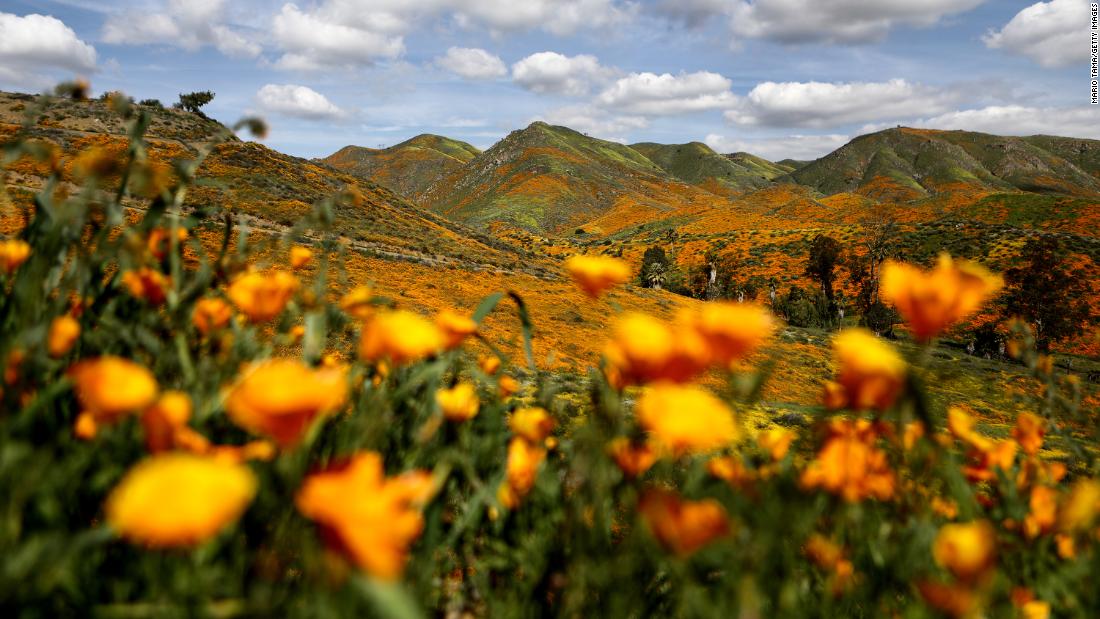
x,y
731,331
372,519
13,253
967,550
399,336
685,419
871,374
357,303
931,301
682,526
211,314
179,499
459,403
160,239
849,464
110,387
147,284
455,327
262,296
300,256
633,460
64,331
532,423
162,421
524,460
280,398
644,349
595,274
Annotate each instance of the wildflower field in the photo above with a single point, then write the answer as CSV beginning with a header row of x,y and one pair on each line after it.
x,y
203,419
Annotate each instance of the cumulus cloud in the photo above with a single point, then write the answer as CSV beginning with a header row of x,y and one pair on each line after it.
x,y
1053,34
667,94
311,42
297,101
190,24
34,43
560,17
472,63
692,13
1081,122
351,33
595,121
819,104
551,72
801,147
836,21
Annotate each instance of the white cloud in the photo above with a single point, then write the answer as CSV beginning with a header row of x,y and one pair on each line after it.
x,y
667,94
297,101
355,33
560,17
801,147
819,104
837,21
472,63
693,13
190,24
1053,34
1080,122
551,72
595,122
35,43
312,42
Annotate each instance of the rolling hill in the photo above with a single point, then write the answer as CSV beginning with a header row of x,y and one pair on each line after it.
x,y
409,168
697,164
903,164
552,179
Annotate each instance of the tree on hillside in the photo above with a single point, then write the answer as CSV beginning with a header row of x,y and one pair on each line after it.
x,y
192,101
823,260
880,232
1045,293
655,264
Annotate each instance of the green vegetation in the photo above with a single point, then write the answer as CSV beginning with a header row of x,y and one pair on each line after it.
x,y
697,164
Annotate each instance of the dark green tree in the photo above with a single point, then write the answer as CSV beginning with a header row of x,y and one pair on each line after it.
x,y
655,267
192,101
823,260
1045,293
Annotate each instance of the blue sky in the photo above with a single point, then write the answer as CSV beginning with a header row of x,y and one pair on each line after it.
x,y
780,78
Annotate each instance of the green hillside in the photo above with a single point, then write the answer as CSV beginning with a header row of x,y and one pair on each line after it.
x,y
903,164
408,168
552,179
698,164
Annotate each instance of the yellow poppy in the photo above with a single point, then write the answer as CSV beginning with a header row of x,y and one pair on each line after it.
x,y
178,499
871,374
681,526
967,550
595,274
280,398
262,296
455,327
399,336
64,331
110,387
13,253
211,314
374,518
931,301
685,419
459,403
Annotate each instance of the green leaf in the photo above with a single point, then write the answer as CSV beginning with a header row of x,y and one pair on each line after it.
x,y
391,600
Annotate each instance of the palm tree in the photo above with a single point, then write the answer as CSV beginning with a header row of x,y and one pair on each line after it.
x,y
655,275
